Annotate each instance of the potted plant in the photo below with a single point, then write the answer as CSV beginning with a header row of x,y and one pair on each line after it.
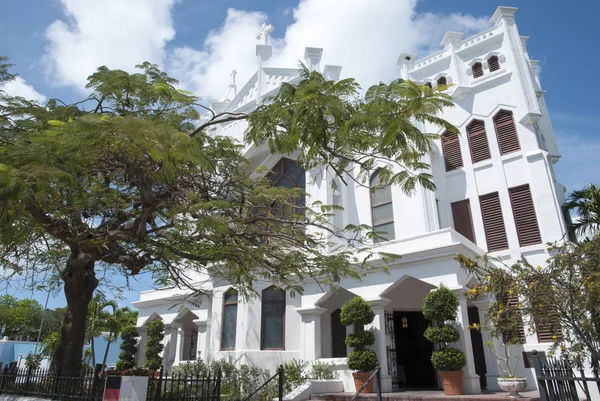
x,y
508,382
440,307
361,360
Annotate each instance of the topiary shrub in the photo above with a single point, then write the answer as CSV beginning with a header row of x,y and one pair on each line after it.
x,y
441,307
154,346
358,312
128,349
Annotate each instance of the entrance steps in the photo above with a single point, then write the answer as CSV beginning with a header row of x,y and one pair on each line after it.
x,y
424,395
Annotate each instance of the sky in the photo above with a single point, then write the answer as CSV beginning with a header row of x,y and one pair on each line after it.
x,y
57,44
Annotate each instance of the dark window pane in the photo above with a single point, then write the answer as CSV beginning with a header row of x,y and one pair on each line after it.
x,y
229,326
273,316
386,231
381,195
273,294
284,181
231,297
338,336
383,214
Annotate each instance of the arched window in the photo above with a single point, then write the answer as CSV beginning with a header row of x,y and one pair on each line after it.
x,y
338,336
493,63
506,132
229,325
382,208
428,84
287,173
451,151
442,81
478,143
477,69
272,331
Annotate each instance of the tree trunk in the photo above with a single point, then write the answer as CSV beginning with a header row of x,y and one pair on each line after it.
x,y
106,351
79,283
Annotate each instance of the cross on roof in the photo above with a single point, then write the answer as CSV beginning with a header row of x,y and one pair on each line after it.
x,y
265,31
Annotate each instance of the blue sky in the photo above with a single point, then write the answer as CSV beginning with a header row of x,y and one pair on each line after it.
x,y
56,44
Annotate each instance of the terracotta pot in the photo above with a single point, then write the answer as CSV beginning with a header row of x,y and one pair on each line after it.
x,y
513,385
360,378
453,381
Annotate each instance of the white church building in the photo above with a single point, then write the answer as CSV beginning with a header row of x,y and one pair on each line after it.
x,y
496,192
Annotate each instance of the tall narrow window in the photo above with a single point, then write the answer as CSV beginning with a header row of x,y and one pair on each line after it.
x,y
513,315
287,173
229,329
506,132
524,214
477,69
272,333
478,143
493,222
463,222
442,81
338,336
494,63
451,150
382,208
336,197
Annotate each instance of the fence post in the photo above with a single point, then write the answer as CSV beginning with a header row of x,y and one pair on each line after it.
x,y
28,380
378,378
159,386
539,373
280,382
218,385
3,377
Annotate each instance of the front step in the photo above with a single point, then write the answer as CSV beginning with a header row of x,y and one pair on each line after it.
x,y
423,396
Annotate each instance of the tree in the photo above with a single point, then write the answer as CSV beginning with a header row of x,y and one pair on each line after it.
x,y
128,349
98,319
586,203
115,323
560,297
19,317
154,345
128,180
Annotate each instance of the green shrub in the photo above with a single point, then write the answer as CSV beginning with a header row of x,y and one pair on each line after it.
x,y
360,338
357,311
444,334
154,346
128,349
440,305
323,371
195,368
448,359
362,360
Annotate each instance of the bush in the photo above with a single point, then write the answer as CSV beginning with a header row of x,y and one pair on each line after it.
x,y
444,334
440,305
128,348
154,346
360,338
195,368
357,311
448,359
323,371
362,360
294,374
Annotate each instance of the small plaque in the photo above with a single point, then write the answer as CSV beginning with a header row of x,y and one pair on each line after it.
x,y
126,389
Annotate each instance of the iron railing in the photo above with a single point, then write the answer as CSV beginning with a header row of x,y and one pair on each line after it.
x,y
558,379
279,375
376,374
184,388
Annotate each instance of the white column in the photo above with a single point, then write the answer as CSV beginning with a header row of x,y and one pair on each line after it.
x,y
140,356
472,385
491,366
170,344
179,344
378,327
311,332
202,344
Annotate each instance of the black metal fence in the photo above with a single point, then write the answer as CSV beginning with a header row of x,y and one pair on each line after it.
x,y
46,384
559,379
183,388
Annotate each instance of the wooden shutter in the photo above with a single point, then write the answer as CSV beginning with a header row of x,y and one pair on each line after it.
x,y
506,132
524,214
494,63
493,223
478,143
463,222
442,81
477,69
547,330
519,332
451,150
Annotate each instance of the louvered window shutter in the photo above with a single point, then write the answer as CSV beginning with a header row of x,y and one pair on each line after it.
x,y
519,332
451,150
493,223
494,63
463,223
524,214
478,143
442,81
506,132
428,84
477,69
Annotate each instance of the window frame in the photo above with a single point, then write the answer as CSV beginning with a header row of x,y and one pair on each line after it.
x,y
445,81
471,134
449,137
225,304
498,125
479,70
262,318
298,209
374,206
497,64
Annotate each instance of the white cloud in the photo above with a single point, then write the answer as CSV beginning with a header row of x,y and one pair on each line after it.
x,y
365,38
18,87
118,34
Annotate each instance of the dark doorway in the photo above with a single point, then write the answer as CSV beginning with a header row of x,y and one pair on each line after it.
x,y
477,343
338,336
413,352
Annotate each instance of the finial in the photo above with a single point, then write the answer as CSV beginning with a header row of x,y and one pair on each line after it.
x,y
265,31
233,74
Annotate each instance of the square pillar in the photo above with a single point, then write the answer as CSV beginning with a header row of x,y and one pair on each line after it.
x,y
491,365
378,328
170,345
472,385
140,356
310,332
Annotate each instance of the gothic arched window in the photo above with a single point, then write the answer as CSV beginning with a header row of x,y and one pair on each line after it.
x,y
272,330
382,208
229,325
287,173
